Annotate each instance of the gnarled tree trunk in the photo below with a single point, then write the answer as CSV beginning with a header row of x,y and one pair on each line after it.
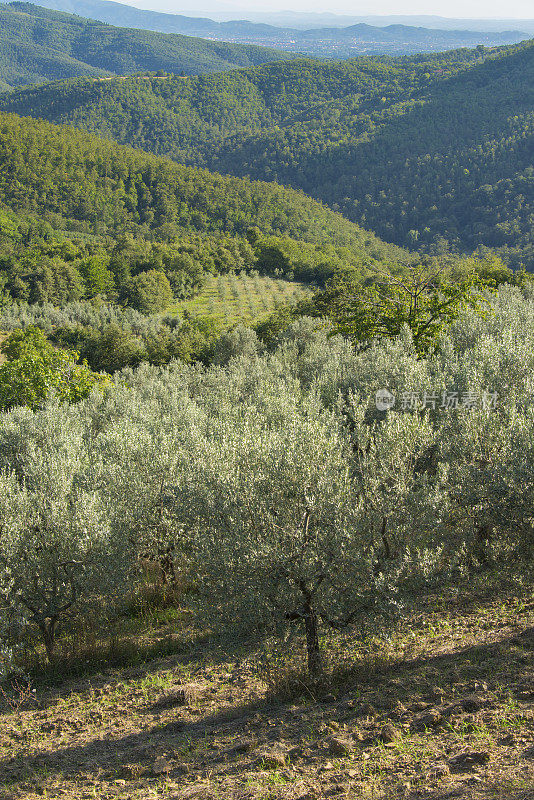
x,y
315,661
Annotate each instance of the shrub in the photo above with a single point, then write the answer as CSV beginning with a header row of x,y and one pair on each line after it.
x,y
35,369
149,292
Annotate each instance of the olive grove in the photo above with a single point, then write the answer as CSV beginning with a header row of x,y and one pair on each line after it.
x,y
274,483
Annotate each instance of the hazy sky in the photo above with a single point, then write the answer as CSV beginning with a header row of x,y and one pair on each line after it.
x,y
445,8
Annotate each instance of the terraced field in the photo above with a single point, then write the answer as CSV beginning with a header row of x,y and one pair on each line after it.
x,y
242,297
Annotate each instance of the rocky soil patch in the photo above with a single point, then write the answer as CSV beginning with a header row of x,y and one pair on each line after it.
x,y
452,717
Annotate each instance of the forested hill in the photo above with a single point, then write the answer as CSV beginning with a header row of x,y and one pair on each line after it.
x,y
77,181
38,45
420,149
188,119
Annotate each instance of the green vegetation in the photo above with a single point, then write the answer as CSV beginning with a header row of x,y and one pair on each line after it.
x,y
39,45
431,152
79,182
191,119
90,223
256,485
275,489
34,370
316,446
424,300
241,298
142,232
110,338
149,292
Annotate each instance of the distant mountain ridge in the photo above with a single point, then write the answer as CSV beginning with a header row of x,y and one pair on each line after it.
x,y
307,20
38,44
428,151
338,42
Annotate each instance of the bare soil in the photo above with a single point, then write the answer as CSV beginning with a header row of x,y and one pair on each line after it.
x,y
442,710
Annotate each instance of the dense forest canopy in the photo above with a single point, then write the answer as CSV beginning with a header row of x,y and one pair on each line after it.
x,y
37,45
89,184
429,151
186,119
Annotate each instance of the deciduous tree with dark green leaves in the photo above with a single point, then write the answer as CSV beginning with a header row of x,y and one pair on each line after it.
x,y
149,292
424,298
36,369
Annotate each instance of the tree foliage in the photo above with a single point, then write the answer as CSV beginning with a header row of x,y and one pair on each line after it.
x,y
424,299
273,485
58,552
35,369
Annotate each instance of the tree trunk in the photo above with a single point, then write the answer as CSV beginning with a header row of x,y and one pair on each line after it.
x,y
168,571
483,537
49,636
315,662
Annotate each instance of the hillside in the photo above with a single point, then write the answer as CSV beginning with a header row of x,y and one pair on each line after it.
x,y
450,161
330,41
187,679
419,149
38,45
84,220
190,120
78,180
119,730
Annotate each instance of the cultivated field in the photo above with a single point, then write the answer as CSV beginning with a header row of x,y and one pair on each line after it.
x,y
242,298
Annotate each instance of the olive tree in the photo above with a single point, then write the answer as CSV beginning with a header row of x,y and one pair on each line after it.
x,y
488,451
144,456
290,524
490,457
238,341
58,550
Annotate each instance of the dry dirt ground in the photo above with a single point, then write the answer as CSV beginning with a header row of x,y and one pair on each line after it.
x,y
444,710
